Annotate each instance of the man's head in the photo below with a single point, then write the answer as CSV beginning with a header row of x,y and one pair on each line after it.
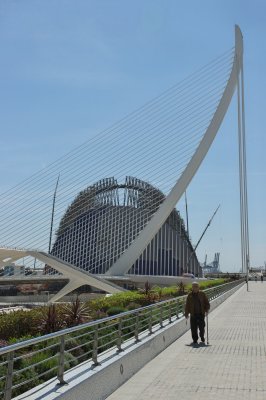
x,y
195,287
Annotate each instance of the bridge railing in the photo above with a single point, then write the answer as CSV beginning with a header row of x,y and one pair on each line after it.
x,y
29,363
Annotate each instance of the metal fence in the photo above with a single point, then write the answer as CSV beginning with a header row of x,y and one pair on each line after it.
x,y
29,363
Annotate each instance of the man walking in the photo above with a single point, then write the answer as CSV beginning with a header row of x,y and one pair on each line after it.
x,y
197,305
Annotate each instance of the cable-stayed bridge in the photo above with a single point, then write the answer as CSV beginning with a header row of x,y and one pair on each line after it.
x,y
107,208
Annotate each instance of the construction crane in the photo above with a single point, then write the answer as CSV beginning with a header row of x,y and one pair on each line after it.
x,y
213,266
203,233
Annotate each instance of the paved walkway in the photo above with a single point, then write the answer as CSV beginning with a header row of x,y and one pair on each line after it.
x,y
233,366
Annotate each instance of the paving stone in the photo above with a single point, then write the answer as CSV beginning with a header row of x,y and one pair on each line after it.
x,y
233,366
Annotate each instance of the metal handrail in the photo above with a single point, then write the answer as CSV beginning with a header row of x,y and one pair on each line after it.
x,y
96,337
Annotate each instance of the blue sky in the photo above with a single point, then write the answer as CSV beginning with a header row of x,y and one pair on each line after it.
x,y
70,69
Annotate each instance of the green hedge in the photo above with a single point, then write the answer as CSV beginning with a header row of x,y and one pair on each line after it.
x,y
22,323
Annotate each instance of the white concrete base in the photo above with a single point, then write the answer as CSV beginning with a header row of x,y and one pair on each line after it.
x,y
85,383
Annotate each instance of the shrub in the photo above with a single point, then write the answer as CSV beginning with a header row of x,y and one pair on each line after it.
x,y
46,365
115,310
169,292
3,343
118,299
70,361
98,314
29,376
14,340
211,283
133,306
152,297
18,324
50,320
181,288
75,313
71,345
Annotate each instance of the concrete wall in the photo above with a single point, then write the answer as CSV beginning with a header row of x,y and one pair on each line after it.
x,y
85,383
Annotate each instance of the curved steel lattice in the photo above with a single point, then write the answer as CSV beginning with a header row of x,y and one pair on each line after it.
x,y
97,242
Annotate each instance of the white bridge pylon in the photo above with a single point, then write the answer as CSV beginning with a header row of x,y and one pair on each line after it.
x,y
111,250
126,260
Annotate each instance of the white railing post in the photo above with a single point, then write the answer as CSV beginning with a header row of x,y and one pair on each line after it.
x,y
9,376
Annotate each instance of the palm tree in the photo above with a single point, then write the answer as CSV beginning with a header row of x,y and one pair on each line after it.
x,y
75,313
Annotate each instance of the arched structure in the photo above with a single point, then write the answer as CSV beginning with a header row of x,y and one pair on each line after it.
x,y
107,217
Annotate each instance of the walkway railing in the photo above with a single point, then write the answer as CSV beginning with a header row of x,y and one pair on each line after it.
x,y
29,363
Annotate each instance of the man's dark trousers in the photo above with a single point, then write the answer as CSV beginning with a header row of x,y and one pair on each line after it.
x,y
197,322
